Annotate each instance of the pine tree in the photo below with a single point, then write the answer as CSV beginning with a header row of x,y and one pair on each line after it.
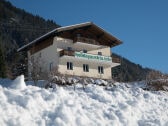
x,y
2,64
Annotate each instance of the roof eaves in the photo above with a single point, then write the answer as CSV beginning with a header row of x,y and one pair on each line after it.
x,y
106,32
36,40
73,26
55,30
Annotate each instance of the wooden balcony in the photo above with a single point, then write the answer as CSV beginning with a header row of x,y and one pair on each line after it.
x,y
72,53
116,60
90,58
86,40
67,53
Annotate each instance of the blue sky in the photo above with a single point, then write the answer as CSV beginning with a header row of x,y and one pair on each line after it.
x,y
142,25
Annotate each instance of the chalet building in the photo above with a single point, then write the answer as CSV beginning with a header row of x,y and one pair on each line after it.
x,y
81,49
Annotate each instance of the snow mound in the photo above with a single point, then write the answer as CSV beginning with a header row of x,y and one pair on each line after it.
x,y
120,105
19,83
101,82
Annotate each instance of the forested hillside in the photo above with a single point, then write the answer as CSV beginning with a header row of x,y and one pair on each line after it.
x,y
17,28
129,71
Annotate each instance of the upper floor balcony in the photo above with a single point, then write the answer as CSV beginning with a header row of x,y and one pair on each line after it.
x,y
81,56
86,40
89,44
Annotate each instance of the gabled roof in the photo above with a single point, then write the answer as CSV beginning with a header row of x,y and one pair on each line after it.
x,y
71,30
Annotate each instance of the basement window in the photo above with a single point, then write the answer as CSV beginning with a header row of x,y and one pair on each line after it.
x,y
100,70
69,66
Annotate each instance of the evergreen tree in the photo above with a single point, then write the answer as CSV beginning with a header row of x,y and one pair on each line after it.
x,y
17,28
2,64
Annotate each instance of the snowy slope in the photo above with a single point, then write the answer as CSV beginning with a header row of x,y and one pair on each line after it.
x,y
122,105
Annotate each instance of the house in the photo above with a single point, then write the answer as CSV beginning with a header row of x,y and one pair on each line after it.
x,y
81,50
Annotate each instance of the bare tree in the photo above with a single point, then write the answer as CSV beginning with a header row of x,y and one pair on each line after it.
x,y
156,80
36,69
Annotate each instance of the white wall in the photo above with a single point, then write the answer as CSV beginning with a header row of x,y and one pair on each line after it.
x,y
50,54
78,69
105,51
62,43
46,56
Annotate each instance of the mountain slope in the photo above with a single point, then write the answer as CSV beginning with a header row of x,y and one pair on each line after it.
x,y
21,26
129,71
18,28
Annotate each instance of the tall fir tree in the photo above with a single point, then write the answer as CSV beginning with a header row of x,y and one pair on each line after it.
x,y
2,64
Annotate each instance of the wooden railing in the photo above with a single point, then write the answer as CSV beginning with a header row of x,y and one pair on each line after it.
x,y
116,60
86,40
72,53
67,53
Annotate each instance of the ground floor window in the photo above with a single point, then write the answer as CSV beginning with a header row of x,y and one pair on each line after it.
x,y
100,69
51,66
69,66
40,69
85,67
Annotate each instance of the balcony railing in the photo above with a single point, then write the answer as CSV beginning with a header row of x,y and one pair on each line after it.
x,y
67,53
86,40
116,60
88,56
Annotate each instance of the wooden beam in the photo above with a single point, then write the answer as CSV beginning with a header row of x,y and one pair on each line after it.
x,y
100,35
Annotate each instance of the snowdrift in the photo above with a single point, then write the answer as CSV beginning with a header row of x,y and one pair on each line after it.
x,y
121,105
18,83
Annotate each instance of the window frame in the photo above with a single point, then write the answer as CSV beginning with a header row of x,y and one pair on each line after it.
x,y
99,53
69,48
69,66
100,69
85,51
51,66
85,67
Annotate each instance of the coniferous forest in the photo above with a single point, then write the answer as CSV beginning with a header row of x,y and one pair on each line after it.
x,y
18,27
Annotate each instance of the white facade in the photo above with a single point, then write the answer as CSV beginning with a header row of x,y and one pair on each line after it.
x,y
75,58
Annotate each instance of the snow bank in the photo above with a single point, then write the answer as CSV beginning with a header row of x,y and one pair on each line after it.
x,y
120,105
18,83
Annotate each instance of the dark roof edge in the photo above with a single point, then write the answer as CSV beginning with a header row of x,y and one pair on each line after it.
x,y
37,39
62,29
120,42
55,30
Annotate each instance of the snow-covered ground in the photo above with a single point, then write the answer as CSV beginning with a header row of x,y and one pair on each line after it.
x,y
121,105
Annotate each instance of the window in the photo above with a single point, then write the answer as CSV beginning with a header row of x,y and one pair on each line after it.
x,y
84,51
32,58
40,54
100,69
85,67
51,66
69,66
99,53
40,69
69,48
78,35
